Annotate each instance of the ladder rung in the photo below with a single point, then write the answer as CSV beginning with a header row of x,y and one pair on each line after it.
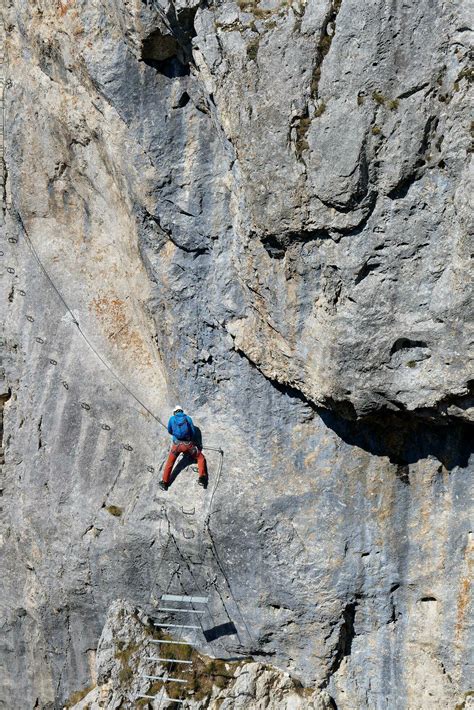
x,y
167,660
168,700
176,626
181,643
187,611
177,598
164,679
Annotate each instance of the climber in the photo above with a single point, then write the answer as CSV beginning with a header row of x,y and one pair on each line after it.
x,y
181,428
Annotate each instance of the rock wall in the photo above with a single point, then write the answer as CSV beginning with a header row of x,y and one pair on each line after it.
x,y
259,209
123,660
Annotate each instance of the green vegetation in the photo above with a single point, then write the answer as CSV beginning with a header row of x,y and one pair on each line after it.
x,y
252,49
323,49
124,654
183,653
114,510
201,676
268,16
252,6
125,675
206,673
376,130
301,690
320,109
411,363
78,696
173,690
301,130
462,704
466,73
325,45
383,100
379,98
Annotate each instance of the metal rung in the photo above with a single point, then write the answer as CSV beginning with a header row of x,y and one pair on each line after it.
x,y
164,679
167,660
176,626
181,643
168,700
188,611
177,598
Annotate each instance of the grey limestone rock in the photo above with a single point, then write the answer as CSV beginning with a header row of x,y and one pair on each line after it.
x,y
123,659
260,209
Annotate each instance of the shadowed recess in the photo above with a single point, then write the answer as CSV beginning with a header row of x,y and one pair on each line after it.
x,y
163,53
404,437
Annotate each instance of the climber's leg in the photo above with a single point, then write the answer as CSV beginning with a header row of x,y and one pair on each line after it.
x,y
202,464
173,455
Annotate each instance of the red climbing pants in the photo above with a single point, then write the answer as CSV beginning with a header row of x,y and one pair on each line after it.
x,y
190,450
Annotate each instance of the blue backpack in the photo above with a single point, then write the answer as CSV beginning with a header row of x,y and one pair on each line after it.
x,y
182,428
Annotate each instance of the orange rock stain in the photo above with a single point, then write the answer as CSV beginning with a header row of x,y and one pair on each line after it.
x,y
112,312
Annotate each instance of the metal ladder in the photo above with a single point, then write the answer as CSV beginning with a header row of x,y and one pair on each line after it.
x,y
165,608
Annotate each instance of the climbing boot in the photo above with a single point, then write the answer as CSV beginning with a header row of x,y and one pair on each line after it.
x,y
163,485
202,481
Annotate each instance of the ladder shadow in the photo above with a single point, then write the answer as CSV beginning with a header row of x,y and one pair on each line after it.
x,y
226,629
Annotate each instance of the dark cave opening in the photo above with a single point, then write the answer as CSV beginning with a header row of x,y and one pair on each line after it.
x,y
169,51
164,54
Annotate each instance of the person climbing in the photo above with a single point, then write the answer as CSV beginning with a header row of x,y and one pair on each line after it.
x,y
181,428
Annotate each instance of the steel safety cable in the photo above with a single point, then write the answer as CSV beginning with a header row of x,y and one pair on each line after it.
x,y
78,326
89,343
112,372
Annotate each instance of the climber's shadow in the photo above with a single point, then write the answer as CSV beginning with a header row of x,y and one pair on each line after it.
x,y
186,461
198,437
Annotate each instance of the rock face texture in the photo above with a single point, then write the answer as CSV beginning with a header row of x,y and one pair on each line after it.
x,y
124,656
259,209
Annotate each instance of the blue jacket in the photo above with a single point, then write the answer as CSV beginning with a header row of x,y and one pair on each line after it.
x,y
174,429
